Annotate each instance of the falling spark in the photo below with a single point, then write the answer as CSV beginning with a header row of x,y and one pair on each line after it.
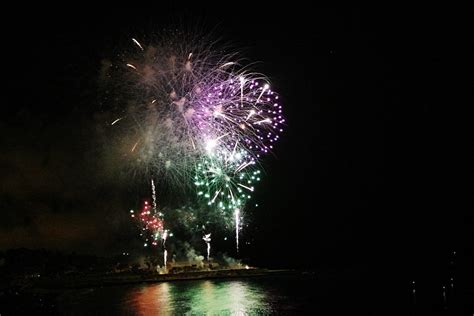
x,y
246,187
251,112
243,166
227,64
116,120
215,196
134,146
136,42
267,120
265,87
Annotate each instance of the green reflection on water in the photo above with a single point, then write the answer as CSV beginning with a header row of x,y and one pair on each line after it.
x,y
199,298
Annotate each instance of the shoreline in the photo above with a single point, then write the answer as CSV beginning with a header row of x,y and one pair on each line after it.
x,y
136,278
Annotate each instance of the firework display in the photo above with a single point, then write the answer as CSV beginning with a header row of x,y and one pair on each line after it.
x,y
196,120
151,225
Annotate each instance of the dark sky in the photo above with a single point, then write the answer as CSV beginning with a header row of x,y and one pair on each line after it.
x,y
367,167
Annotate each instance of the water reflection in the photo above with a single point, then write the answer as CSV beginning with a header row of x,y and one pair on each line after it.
x,y
205,298
155,298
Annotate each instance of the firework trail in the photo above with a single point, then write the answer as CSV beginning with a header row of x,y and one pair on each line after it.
x,y
153,195
165,258
165,251
207,239
237,227
164,232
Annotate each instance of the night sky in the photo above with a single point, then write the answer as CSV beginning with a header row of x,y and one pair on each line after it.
x,y
368,170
